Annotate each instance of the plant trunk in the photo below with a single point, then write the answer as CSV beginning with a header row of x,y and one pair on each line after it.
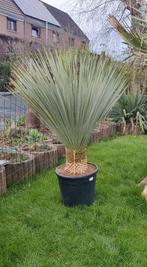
x,y
76,161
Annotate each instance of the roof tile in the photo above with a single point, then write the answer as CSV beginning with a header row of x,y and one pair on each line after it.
x,y
36,9
8,5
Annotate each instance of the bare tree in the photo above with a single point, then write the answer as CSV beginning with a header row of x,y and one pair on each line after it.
x,y
136,37
95,13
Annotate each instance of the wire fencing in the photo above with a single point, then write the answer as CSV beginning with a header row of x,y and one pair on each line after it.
x,y
11,109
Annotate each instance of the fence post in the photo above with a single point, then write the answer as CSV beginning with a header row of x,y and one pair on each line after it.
x,y
2,180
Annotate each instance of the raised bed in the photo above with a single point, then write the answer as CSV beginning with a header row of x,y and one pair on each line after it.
x,y
96,136
102,132
45,159
60,150
19,166
127,129
59,146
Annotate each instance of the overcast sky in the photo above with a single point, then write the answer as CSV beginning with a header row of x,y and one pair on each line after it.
x,y
57,3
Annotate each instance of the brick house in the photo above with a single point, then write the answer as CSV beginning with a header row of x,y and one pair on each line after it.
x,y
71,34
32,23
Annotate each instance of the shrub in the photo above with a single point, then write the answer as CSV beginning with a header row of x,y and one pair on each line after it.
x,y
131,108
5,72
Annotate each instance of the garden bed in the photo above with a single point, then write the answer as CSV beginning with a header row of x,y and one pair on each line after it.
x,y
45,159
128,129
18,166
60,150
103,131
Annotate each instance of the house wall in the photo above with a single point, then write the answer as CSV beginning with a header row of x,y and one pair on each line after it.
x,y
78,41
24,33
3,28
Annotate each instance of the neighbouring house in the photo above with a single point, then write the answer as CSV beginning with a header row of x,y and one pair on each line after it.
x,y
32,24
71,34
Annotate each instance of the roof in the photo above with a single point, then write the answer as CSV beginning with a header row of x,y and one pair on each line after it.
x,y
65,21
36,9
9,6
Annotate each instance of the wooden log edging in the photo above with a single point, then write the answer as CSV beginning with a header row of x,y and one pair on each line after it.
x,y
2,180
14,172
19,171
103,133
46,159
60,150
128,129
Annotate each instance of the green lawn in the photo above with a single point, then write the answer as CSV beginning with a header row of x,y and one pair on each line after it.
x,y
36,230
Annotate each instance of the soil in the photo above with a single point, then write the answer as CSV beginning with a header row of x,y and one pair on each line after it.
x,y
13,157
35,148
5,142
62,170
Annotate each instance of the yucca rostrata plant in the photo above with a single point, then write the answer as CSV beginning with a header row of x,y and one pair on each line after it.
x,y
70,92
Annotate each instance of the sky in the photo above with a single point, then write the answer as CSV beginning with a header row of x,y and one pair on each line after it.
x,y
58,3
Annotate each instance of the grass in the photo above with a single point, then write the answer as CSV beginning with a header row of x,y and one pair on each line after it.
x,y
36,230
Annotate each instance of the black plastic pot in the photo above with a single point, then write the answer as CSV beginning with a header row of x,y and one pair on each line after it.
x,y
78,190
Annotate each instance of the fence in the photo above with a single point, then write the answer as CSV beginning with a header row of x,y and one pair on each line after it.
x,y
11,109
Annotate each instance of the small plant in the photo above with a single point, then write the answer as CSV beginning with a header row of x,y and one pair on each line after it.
x,y
11,130
8,123
20,121
131,109
35,147
7,127
34,136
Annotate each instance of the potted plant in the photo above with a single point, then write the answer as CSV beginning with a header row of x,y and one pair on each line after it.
x,y
71,91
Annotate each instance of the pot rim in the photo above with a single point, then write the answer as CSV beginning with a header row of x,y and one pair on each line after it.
x,y
78,177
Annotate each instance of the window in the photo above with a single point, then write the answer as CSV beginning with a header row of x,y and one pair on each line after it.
x,y
35,31
71,42
55,36
11,25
